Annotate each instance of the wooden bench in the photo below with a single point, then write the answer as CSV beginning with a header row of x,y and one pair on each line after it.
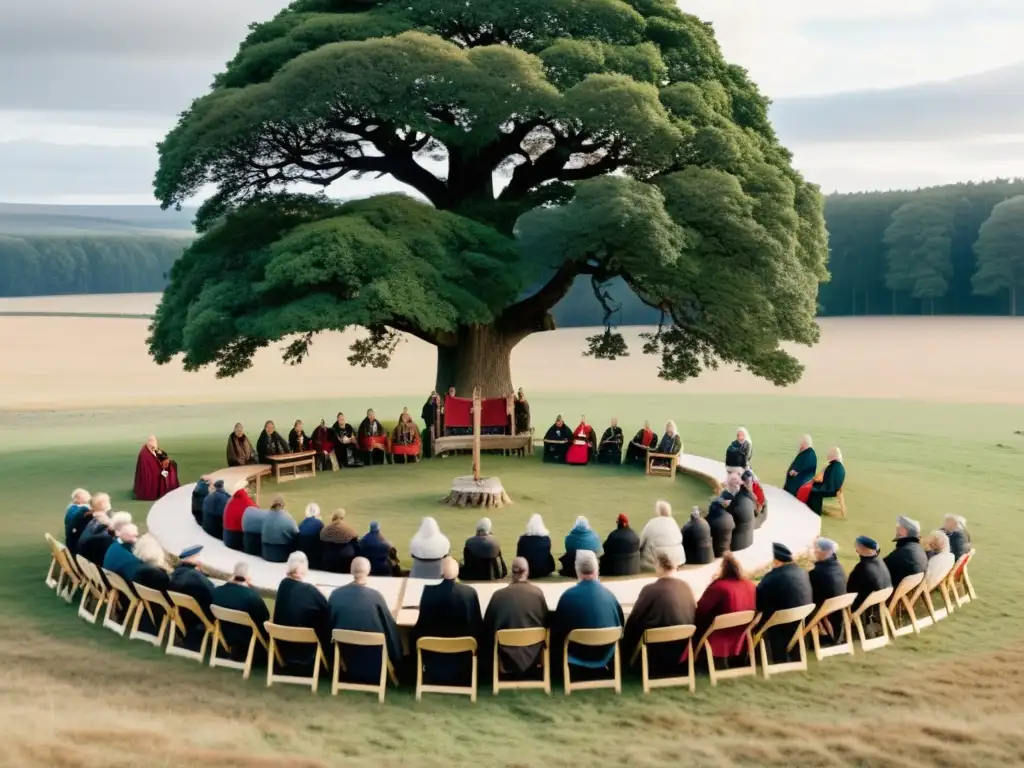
x,y
295,462
521,444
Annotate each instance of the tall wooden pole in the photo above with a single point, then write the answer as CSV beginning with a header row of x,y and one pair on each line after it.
x,y
476,434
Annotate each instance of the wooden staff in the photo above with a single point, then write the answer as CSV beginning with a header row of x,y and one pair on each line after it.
x,y
476,433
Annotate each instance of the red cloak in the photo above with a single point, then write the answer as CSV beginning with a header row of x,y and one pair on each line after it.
x,y
581,446
150,483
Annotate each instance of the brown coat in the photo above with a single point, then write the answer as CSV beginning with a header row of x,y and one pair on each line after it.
x,y
240,452
520,605
663,603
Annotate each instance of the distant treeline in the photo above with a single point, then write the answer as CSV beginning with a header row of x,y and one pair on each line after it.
x,y
43,265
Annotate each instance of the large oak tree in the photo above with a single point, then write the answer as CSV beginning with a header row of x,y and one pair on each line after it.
x,y
549,140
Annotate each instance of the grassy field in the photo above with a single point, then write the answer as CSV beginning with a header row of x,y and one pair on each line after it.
x,y
77,696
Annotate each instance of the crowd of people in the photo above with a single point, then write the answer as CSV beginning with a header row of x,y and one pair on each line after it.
x,y
452,608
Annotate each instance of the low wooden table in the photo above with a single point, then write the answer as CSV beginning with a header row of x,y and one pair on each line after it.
x,y
522,444
251,473
294,462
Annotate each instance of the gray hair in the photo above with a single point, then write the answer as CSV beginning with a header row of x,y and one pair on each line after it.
x,y
586,563
520,569
242,483
535,526
240,571
806,440
837,453
360,567
670,427
148,550
298,564
119,520
937,541
100,502
662,508
80,496
312,509
278,502
483,526
746,434
129,533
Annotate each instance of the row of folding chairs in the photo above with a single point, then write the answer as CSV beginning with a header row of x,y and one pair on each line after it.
x,y
125,608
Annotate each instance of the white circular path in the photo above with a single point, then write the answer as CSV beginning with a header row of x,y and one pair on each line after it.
x,y
789,522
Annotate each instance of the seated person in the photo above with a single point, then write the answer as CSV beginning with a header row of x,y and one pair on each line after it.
x,y
213,510
754,489
665,602
661,534
583,445
252,530
188,579
959,540
76,510
730,592
940,559
813,494
239,595
586,605
155,473
428,548
743,508
346,444
481,555
520,605
240,451
97,535
375,548
448,609
671,445
722,525
609,450
153,572
308,538
298,440
361,608
300,604
803,468
643,441
556,441
323,443
270,443
279,532
373,440
339,544
697,540
621,550
869,575
534,546
240,501
828,580
199,493
581,537
406,440
786,585
120,558
740,450
908,558
521,413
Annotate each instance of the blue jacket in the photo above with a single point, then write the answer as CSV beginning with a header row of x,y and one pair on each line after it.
x,y
279,529
581,538
121,560
588,605
252,520
374,547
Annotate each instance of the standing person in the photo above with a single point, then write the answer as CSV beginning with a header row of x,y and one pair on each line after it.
x,y
240,451
270,443
803,467
431,415
610,449
298,440
521,413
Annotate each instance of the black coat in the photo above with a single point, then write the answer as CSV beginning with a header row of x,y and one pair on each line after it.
x,y
520,605
739,454
374,547
621,553
482,560
697,542
959,544
537,551
907,559
722,526
827,581
74,525
271,445
307,541
360,608
94,543
199,494
784,586
213,512
448,609
337,557
239,596
743,508
299,604
189,580
155,578
867,576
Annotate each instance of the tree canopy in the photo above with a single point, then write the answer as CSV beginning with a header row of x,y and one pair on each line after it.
x,y
1000,251
546,139
919,240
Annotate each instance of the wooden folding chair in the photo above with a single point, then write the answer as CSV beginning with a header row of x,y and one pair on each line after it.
x,y
93,590
223,615
840,500
593,638
669,471
660,635
924,594
340,637
67,579
148,598
746,619
522,638
445,645
279,633
838,604
875,599
183,602
963,589
119,589
53,571
784,618
900,601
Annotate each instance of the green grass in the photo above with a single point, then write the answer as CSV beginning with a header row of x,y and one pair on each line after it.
x,y
78,696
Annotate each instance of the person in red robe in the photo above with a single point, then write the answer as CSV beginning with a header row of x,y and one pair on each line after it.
x,y
644,440
583,446
155,473
730,592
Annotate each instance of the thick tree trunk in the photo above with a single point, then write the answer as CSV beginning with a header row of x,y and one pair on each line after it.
x,y
481,358
1013,301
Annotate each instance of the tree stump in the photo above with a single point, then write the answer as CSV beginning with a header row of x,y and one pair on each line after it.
x,y
486,493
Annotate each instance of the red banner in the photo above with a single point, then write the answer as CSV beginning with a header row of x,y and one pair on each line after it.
x,y
458,412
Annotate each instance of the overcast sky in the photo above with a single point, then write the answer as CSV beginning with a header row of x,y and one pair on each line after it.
x,y
87,88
